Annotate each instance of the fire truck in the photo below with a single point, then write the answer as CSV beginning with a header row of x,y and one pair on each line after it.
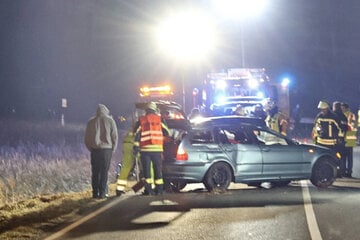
x,y
170,110
222,91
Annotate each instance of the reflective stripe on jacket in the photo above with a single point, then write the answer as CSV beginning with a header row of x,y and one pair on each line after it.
x,y
327,130
351,134
151,137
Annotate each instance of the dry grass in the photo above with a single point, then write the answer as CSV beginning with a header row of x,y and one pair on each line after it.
x,y
41,215
45,177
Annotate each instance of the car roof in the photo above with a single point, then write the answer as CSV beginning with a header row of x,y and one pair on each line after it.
x,y
228,120
161,105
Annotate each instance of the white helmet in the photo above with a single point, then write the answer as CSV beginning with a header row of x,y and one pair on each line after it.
x,y
323,105
151,106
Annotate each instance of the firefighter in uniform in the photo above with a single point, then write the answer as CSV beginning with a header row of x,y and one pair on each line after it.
x,y
150,131
276,120
127,162
326,128
350,138
340,146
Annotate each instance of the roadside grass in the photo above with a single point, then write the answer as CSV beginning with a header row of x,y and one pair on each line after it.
x,y
45,176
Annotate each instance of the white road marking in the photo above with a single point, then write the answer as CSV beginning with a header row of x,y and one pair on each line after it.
x,y
309,211
84,219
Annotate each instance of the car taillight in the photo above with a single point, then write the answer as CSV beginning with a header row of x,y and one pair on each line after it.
x,y
181,154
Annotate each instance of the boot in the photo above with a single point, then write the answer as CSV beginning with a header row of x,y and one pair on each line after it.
x,y
148,190
159,189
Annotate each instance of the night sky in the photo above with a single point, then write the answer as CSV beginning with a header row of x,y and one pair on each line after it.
x,y
92,51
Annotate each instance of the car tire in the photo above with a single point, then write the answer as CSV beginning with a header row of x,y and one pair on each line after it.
x,y
323,174
218,177
174,186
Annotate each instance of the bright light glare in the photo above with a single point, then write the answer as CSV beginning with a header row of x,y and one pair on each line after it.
x,y
260,94
239,9
221,85
285,82
220,99
188,36
253,83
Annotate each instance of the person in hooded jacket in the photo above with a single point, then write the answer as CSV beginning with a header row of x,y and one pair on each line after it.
x,y
101,139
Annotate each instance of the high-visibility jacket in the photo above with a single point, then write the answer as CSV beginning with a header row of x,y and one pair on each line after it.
x,y
351,134
151,133
127,162
326,130
277,122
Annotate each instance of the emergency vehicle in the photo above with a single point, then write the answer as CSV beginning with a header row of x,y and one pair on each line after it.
x,y
223,90
171,111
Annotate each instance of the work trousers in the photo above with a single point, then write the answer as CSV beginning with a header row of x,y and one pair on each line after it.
x,y
156,159
127,166
348,161
100,163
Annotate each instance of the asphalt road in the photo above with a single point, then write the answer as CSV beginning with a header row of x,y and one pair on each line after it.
x,y
298,211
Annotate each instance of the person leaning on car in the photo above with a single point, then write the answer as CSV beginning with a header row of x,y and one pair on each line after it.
x,y
149,136
101,138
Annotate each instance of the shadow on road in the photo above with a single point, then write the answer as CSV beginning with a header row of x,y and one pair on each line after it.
x,y
137,212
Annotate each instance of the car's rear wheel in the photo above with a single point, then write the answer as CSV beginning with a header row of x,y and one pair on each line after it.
x,y
174,186
323,174
218,177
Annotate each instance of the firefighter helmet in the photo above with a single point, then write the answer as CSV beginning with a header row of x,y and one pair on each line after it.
x,y
323,105
151,106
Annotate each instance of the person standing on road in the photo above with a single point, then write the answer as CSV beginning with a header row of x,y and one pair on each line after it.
x,y
326,128
101,138
342,121
150,131
350,139
128,159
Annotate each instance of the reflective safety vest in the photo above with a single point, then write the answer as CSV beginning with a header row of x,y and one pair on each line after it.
x,y
351,134
278,123
151,138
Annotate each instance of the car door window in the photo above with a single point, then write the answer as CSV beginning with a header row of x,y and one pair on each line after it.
x,y
220,136
269,138
233,136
